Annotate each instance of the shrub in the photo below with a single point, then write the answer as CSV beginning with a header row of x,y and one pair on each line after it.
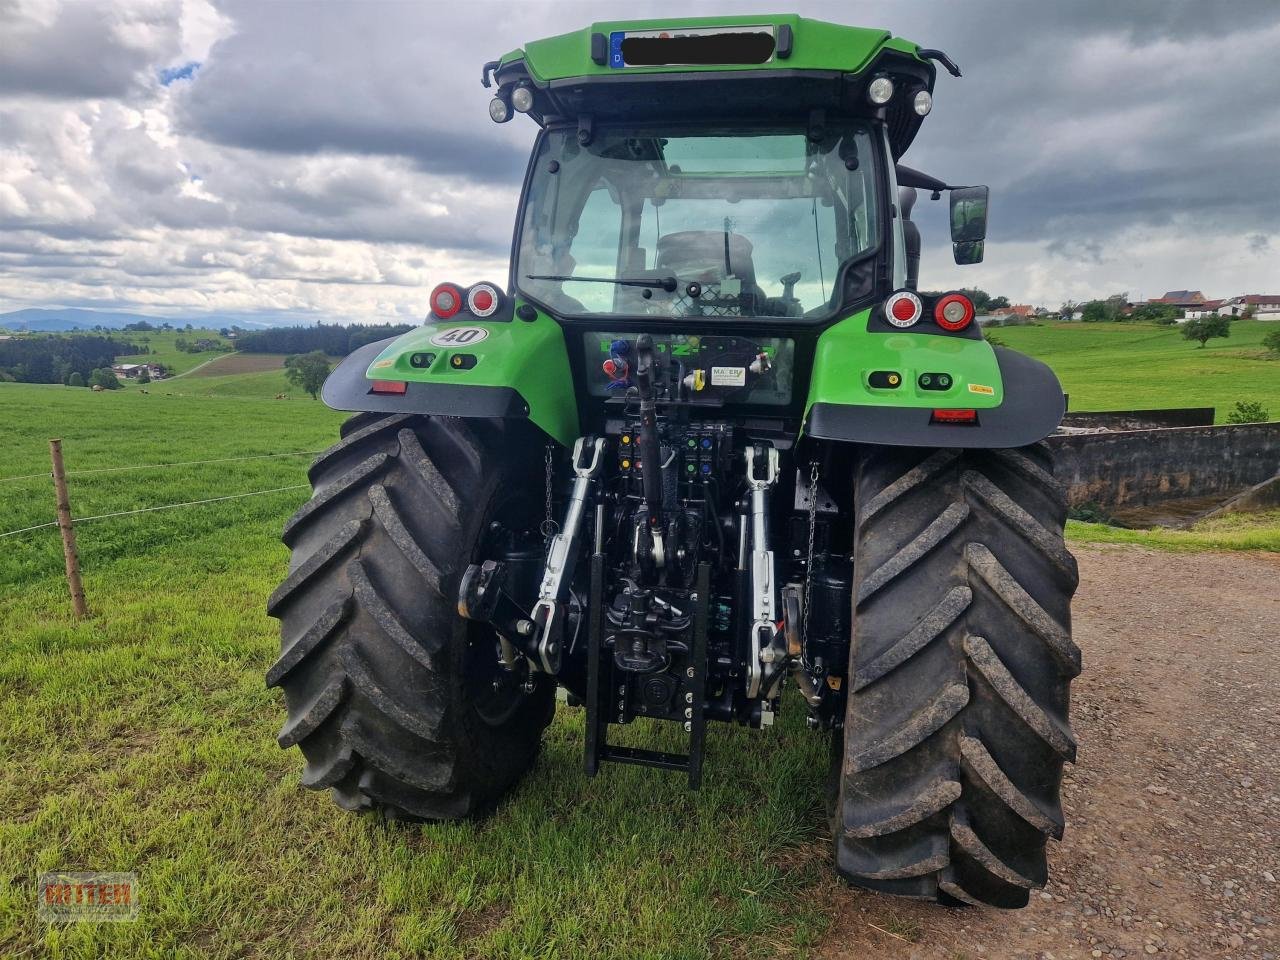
x,y
1090,512
75,380
104,378
1248,411
1272,341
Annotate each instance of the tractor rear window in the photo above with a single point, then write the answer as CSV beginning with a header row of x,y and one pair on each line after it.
x,y
717,222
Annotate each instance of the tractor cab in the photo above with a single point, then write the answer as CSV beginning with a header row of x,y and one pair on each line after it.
x,y
751,159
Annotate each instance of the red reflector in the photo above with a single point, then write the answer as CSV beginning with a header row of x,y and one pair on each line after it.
x,y
955,416
904,309
482,299
389,386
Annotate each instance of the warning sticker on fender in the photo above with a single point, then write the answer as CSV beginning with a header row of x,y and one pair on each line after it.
x,y
983,389
728,376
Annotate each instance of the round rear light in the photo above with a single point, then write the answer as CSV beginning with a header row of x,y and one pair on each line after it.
x,y
903,309
953,312
483,300
446,300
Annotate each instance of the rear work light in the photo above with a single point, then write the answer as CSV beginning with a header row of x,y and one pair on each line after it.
x,y
903,309
446,300
955,416
483,300
953,312
389,386
880,91
522,99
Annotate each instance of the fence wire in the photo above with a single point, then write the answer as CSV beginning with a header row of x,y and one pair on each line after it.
x,y
166,506
152,466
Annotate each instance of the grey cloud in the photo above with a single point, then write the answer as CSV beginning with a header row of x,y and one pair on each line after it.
x,y
82,50
361,130
393,79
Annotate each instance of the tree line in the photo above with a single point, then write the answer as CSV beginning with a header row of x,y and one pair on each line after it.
x,y
54,359
335,340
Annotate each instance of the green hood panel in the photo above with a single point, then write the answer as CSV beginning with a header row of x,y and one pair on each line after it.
x,y
847,355
818,46
528,357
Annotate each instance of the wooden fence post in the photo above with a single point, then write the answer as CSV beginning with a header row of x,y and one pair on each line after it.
x,y
68,532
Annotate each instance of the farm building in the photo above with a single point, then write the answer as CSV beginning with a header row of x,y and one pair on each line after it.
x,y
1183,299
130,371
1266,306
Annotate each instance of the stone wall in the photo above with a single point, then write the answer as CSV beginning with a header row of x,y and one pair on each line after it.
x,y
1142,467
1141,419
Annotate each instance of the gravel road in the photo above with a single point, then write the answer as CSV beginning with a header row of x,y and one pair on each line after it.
x,y
1173,809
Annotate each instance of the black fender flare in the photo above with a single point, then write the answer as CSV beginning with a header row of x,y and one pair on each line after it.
x,y
1032,409
347,388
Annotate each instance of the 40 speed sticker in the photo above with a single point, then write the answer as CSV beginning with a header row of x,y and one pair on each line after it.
x,y
459,337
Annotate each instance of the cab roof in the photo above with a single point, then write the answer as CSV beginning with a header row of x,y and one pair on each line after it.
x,y
762,66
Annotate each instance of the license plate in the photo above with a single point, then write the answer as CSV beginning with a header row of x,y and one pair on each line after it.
x,y
691,47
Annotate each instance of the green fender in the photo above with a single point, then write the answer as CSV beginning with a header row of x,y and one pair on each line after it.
x,y
873,387
464,367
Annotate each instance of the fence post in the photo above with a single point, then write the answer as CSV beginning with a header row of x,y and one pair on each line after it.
x,y
68,532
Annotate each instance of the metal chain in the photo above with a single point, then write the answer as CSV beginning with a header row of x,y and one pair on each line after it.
x,y
808,568
549,527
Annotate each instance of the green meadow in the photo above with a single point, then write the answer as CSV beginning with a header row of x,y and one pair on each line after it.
x,y
1128,366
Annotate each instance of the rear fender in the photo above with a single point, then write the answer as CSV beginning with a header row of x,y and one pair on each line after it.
x,y
1016,400
462,367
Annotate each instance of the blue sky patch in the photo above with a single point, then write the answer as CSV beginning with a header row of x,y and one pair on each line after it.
x,y
169,74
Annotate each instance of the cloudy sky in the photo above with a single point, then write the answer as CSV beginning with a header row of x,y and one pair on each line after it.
x,y
332,161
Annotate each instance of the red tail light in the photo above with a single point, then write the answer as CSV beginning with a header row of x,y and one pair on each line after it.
x,y
903,309
446,300
953,312
389,386
955,416
483,300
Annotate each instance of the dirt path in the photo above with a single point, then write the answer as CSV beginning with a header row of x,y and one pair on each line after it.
x,y
1173,809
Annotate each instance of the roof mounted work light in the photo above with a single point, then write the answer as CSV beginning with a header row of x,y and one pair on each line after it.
x,y
522,99
880,90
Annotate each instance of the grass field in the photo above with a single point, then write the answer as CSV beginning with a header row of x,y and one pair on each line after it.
x,y
164,349
143,738
1126,366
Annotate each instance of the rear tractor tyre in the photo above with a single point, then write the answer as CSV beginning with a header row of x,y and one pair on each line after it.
x,y
396,702
956,726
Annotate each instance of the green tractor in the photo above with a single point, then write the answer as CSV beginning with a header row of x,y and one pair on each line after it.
x,y
708,439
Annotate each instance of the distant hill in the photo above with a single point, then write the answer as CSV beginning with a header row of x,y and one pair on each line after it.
x,y
43,320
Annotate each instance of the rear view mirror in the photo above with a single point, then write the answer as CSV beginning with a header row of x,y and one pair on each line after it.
x,y
968,222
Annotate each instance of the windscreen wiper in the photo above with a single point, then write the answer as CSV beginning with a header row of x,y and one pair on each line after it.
x,y
658,283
